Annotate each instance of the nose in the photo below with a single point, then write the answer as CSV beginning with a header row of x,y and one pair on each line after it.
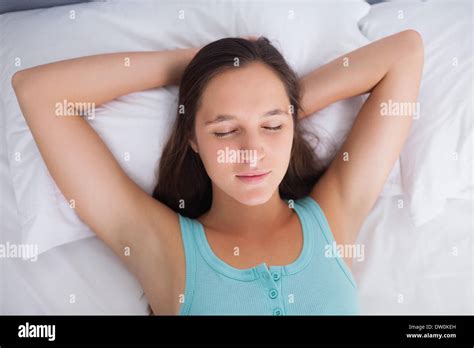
x,y
255,149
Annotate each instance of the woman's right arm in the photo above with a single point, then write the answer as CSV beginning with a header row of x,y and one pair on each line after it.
x,y
103,77
110,203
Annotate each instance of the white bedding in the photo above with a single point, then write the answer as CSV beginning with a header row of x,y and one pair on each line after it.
x,y
83,277
436,159
417,270
408,269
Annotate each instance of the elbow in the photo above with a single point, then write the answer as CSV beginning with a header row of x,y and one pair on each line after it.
x,y
18,80
15,80
411,48
22,88
417,39
414,35
414,41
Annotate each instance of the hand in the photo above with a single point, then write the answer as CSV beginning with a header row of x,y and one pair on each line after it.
x,y
191,52
250,37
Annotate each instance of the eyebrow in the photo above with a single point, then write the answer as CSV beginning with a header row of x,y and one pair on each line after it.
x,y
221,118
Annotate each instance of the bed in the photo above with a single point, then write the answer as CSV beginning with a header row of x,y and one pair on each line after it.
x,y
418,239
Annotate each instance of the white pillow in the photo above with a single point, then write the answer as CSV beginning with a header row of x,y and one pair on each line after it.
x,y
138,125
436,161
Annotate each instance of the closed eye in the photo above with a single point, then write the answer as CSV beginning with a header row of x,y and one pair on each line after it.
x,y
273,128
223,134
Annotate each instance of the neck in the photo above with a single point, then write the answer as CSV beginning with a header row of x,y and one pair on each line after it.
x,y
243,220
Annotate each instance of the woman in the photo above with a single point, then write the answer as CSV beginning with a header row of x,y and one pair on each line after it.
x,y
227,236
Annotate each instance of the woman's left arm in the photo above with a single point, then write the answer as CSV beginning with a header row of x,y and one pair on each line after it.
x,y
356,72
390,69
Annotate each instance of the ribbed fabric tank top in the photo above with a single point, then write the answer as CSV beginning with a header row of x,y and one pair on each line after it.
x,y
314,284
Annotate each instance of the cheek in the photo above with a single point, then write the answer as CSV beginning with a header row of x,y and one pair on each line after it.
x,y
280,156
280,148
209,151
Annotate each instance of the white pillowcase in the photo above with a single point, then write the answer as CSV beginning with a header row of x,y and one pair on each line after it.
x,y
436,161
137,125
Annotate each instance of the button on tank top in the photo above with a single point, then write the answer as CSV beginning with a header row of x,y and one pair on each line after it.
x,y
314,284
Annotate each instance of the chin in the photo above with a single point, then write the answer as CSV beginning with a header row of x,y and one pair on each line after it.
x,y
252,199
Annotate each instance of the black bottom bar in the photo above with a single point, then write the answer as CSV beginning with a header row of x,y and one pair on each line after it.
x,y
291,330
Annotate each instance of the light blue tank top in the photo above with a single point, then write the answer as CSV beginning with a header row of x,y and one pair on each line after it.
x,y
314,284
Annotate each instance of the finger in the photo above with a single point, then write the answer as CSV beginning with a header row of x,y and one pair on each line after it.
x,y
250,37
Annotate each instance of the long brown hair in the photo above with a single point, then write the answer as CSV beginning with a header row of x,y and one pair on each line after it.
x,y
183,183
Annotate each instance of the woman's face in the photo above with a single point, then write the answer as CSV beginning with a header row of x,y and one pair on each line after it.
x,y
244,126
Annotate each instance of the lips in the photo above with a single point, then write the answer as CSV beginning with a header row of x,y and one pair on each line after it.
x,y
254,173
253,177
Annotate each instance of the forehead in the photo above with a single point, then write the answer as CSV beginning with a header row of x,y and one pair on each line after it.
x,y
247,90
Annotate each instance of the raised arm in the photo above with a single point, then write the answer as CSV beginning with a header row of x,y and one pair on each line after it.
x,y
84,169
390,69
103,77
